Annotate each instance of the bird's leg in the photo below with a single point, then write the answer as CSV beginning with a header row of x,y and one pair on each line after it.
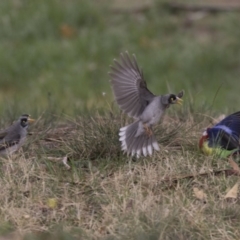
x,y
148,130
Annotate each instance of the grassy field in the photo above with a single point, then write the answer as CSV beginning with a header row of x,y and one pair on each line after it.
x,y
54,58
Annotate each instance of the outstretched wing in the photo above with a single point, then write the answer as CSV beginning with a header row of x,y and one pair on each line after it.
x,y
129,87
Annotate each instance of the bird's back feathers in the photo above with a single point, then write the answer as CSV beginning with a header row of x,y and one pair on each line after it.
x,y
226,133
230,124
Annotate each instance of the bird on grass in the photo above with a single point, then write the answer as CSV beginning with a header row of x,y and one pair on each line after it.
x,y
134,98
13,137
222,139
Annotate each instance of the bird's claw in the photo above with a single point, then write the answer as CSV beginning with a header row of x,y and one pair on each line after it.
x,y
148,130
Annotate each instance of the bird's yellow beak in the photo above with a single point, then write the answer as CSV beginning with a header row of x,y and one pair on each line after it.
x,y
31,120
179,101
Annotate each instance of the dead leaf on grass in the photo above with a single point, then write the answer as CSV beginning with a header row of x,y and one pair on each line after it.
x,y
199,194
218,119
234,165
65,162
67,31
60,159
52,202
233,192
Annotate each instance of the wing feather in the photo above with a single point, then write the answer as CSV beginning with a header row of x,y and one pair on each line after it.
x,y
128,85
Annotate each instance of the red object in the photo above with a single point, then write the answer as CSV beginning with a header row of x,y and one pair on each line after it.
x,y
203,139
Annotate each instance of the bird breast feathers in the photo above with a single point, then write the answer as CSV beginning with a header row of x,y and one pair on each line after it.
x,y
152,113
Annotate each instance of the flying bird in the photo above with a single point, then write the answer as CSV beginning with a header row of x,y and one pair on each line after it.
x,y
133,97
223,138
13,137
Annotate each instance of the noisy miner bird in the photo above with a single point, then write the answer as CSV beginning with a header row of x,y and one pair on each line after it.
x,y
223,138
134,98
13,137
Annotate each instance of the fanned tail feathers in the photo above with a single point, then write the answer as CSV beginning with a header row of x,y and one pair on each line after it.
x,y
137,144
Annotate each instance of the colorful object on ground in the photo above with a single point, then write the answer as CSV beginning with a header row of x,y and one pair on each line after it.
x,y
223,139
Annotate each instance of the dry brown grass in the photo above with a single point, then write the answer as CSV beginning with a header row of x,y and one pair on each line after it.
x,y
105,195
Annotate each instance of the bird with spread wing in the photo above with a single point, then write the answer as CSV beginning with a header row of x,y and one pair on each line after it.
x,y
134,98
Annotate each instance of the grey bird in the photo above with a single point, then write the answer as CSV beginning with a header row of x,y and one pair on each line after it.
x,y
13,137
133,97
